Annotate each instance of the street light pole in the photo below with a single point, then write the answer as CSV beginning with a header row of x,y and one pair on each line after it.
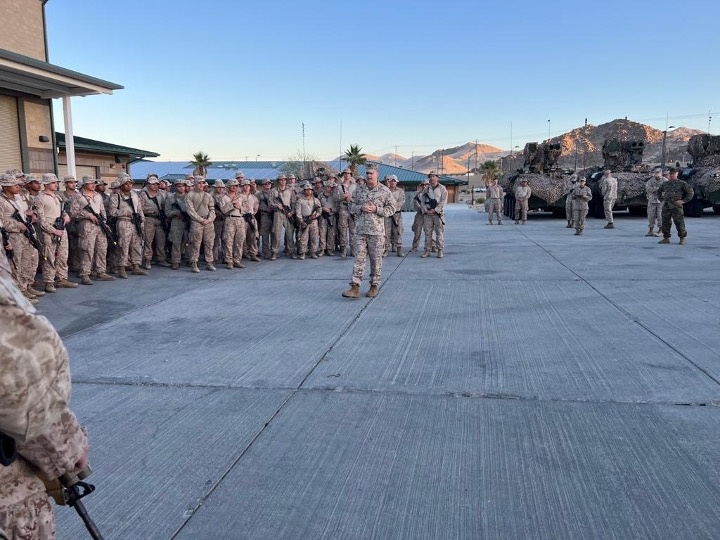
x,y
662,162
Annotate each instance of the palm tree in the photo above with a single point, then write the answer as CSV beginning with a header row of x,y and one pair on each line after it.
x,y
355,157
490,170
201,162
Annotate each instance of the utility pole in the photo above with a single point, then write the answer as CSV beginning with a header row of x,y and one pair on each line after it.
x,y
548,129
412,160
709,120
396,155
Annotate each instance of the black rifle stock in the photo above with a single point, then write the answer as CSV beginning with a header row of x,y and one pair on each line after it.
x,y
109,233
29,231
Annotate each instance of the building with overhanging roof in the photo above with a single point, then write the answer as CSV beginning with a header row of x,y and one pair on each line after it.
x,y
28,85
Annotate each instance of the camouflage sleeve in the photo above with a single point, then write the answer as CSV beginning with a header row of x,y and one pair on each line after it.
x,y
58,449
355,203
386,208
688,192
211,207
34,374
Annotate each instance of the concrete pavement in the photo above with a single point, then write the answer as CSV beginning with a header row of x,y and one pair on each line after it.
x,y
531,384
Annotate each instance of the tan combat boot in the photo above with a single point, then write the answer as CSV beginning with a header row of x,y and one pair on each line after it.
x,y
353,291
102,276
85,280
651,231
425,254
229,265
373,291
209,266
665,240
146,264
122,273
569,225
682,241
400,252
440,254
194,268
35,292
66,284
50,287
136,271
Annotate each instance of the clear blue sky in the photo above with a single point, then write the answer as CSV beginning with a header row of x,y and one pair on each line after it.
x,y
237,79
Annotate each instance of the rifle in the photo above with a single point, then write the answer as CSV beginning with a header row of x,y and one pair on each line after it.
x,y
6,242
396,218
183,215
136,219
29,231
109,233
59,224
68,490
161,214
7,450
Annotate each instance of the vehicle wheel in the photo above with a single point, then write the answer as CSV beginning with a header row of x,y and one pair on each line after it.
x,y
694,208
640,211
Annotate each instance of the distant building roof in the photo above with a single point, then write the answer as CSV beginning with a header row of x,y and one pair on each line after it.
x,y
259,170
98,147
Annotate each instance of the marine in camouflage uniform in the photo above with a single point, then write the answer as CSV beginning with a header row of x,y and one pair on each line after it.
x,y
654,205
307,211
31,189
569,187
522,198
435,198
266,217
581,195
495,196
34,396
283,199
345,225
394,224
152,200
252,233
201,209
608,189
66,195
176,212
92,241
50,214
12,204
370,204
219,224
420,209
328,219
122,207
673,194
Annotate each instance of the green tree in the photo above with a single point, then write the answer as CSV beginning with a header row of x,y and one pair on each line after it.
x,y
354,156
201,161
490,170
294,164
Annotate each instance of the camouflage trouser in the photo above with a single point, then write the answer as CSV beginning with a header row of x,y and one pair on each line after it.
x,y
672,214
654,213
233,239
308,235
280,222
154,231
113,257
393,232
608,205
417,229
251,238
201,234
372,245
56,254
93,248
579,218
219,226
346,227
25,510
433,223
128,244
22,260
521,209
495,208
568,208
266,224
178,237
327,233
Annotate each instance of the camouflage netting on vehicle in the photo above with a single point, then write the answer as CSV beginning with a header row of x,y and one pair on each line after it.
x,y
630,185
708,179
705,150
549,188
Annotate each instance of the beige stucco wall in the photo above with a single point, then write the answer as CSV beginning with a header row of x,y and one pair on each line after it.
x,y
37,123
23,32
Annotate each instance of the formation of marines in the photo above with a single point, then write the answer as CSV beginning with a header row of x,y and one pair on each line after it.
x,y
101,234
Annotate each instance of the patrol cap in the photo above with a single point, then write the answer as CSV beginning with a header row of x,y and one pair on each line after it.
x,y
233,182
198,179
391,178
239,174
244,182
114,184
218,183
181,182
152,179
329,183
582,179
281,176
306,185
266,181
371,167
432,173
317,180
673,169
290,176
346,170
123,179
424,181
49,178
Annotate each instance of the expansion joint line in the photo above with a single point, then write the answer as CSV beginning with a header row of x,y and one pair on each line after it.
x,y
629,315
292,394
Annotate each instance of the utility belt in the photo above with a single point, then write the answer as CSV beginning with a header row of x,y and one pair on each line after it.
x,y
152,216
233,215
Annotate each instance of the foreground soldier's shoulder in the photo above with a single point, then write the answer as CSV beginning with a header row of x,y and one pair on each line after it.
x,y
10,296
